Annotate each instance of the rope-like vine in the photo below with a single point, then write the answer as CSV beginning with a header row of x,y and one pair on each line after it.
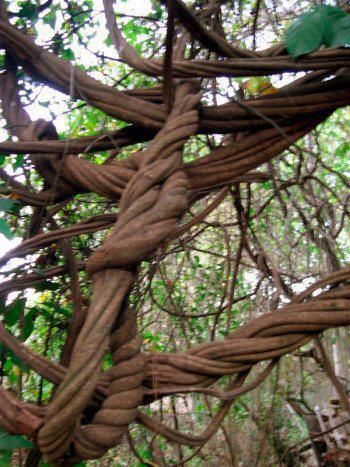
x,y
91,410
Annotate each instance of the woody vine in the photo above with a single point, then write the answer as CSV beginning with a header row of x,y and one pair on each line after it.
x,y
159,197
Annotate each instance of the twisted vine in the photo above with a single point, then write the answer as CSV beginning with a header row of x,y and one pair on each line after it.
x,y
150,206
91,410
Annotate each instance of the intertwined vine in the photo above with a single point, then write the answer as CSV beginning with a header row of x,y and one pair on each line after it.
x,y
92,409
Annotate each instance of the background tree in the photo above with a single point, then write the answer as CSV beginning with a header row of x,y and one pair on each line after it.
x,y
183,209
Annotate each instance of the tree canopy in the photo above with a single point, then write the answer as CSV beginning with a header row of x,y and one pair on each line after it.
x,y
178,178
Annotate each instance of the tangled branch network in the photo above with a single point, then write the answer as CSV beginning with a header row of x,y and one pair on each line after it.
x,y
91,409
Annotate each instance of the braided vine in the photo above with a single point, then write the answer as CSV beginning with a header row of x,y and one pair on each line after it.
x,y
91,409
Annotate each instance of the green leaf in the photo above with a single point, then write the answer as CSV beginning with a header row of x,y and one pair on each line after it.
x,y
343,150
29,321
340,35
108,41
333,12
27,10
18,162
6,204
68,54
5,458
306,34
5,229
324,25
10,442
13,311
50,19
15,360
61,310
159,12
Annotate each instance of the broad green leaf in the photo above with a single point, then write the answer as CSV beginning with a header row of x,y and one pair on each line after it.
x,y
5,229
340,33
333,12
324,25
13,311
6,204
10,442
306,34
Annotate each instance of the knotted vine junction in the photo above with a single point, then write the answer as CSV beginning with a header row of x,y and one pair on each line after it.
x,y
179,155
